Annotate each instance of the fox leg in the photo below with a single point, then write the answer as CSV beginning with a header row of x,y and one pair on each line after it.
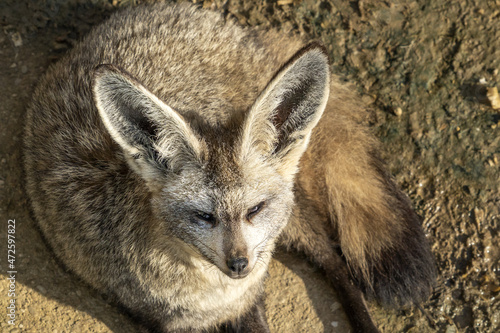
x,y
254,321
305,234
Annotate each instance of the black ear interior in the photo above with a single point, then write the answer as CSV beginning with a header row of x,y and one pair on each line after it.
x,y
291,102
283,121
136,119
127,108
304,83
136,116
145,130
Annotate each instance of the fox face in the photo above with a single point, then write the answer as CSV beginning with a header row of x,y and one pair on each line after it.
x,y
231,217
225,190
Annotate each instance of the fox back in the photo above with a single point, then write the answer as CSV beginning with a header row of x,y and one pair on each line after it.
x,y
161,157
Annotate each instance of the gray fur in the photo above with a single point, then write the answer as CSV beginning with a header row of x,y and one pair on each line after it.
x,y
171,144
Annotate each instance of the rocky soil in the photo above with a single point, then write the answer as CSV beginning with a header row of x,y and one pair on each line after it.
x,y
424,69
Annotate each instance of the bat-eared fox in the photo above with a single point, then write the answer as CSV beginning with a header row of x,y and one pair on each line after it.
x,y
171,151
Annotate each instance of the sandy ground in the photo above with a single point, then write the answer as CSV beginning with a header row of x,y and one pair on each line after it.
x,y
422,67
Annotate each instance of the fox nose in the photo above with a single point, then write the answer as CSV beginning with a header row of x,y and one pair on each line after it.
x,y
237,265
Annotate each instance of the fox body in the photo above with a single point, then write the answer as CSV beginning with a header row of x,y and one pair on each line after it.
x,y
170,152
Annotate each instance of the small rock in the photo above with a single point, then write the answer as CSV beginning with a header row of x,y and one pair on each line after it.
x,y
335,323
358,59
451,329
367,99
494,98
41,289
16,39
398,111
380,57
24,69
335,306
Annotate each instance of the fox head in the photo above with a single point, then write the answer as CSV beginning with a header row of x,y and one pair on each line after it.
x,y
226,191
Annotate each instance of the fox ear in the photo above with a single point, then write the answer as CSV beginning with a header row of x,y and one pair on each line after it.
x,y
279,124
151,134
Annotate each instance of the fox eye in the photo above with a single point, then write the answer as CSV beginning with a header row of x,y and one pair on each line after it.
x,y
205,220
254,210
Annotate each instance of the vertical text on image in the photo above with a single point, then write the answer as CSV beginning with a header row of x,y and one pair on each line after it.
x,y
11,272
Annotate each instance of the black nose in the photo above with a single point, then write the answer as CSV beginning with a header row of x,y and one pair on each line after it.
x,y
237,265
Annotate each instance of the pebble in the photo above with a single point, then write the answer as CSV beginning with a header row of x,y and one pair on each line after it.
x,y
367,99
59,46
41,289
358,59
380,58
451,329
335,306
17,39
494,98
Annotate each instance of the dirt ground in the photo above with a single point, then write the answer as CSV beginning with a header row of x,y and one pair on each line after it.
x,y
423,68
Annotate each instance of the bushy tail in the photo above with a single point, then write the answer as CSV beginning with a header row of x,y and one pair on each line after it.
x,y
379,233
